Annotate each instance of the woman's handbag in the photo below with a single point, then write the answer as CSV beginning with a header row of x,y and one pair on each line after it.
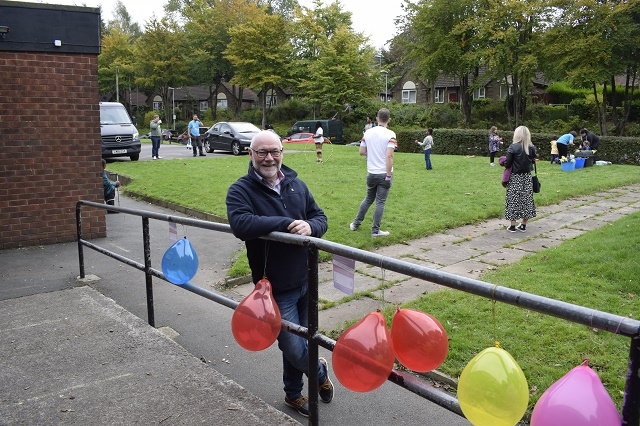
x,y
534,179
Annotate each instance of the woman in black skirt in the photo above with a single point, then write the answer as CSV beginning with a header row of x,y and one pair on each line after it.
x,y
519,199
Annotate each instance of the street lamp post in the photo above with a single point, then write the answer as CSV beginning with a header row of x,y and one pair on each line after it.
x,y
386,79
173,104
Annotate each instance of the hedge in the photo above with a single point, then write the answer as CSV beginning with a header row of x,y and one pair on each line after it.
x,y
616,149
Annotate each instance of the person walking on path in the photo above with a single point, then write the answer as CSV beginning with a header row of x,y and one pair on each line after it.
x,y
519,199
193,131
426,146
155,133
378,145
563,143
494,144
271,198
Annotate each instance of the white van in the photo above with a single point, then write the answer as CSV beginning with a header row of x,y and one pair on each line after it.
x,y
120,137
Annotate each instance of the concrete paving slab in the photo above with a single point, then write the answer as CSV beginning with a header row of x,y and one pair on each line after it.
x,y
611,216
537,244
75,357
467,268
435,240
450,254
354,310
502,257
588,224
565,234
409,290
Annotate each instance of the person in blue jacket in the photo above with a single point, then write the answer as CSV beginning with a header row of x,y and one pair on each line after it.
x,y
271,198
108,185
563,143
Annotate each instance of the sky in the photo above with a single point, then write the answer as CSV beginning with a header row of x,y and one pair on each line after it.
x,y
374,18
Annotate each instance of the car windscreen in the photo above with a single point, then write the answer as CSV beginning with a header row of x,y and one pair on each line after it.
x,y
110,115
244,128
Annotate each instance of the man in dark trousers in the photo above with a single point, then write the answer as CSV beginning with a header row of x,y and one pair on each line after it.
x,y
269,198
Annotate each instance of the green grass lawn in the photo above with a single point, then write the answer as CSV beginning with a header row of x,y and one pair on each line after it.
x,y
598,269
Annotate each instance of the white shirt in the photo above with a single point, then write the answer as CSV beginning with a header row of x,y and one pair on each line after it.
x,y
377,139
318,137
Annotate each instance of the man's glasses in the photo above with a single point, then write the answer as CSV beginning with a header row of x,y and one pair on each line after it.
x,y
262,153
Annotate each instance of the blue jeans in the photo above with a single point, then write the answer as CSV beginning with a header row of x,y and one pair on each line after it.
x,y
427,158
294,307
377,190
155,145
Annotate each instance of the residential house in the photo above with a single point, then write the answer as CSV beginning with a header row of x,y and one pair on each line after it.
x,y
411,90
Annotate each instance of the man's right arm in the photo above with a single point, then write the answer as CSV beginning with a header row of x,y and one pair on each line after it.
x,y
389,161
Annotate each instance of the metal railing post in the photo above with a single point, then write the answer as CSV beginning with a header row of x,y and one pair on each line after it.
x,y
312,293
79,237
147,271
631,402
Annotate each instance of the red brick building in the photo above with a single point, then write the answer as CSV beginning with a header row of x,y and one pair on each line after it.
x,y
50,154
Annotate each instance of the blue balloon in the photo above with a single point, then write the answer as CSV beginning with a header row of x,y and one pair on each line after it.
x,y
180,262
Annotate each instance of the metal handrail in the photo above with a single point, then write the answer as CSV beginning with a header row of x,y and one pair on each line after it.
x,y
578,314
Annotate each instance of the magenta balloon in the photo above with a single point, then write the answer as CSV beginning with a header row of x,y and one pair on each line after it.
x,y
577,399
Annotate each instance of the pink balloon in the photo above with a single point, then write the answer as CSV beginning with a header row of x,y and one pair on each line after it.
x,y
419,340
363,357
577,399
256,322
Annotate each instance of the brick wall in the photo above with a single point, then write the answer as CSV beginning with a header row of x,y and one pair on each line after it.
x,y
50,153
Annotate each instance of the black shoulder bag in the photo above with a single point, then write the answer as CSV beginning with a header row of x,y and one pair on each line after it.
x,y
534,179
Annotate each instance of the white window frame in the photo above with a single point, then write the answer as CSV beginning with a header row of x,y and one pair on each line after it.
x,y
221,102
503,88
438,96
272,97
204,105
409,93
157,106
480,93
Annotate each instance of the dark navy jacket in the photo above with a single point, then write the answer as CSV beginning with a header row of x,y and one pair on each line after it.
x,y
254,210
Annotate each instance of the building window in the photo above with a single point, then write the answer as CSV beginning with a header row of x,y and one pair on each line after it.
x,y
479,93
438,96
505,90
272,98
222,101
204,105
409,93
157,103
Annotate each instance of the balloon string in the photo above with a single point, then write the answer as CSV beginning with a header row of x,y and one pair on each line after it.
x,y
493,316
266,256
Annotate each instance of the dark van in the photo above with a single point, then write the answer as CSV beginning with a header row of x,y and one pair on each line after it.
x,y
120,137
332,129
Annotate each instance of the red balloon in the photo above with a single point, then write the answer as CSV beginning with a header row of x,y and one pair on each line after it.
x,y
256,321
419,340
363,357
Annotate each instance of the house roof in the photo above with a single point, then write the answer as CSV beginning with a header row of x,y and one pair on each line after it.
x,y
201,93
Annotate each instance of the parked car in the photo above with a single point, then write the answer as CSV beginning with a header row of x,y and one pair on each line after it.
x,y
184,137
232,136
299,138
169,135
332,129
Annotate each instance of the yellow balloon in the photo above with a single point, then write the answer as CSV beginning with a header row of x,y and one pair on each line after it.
x,y
492,389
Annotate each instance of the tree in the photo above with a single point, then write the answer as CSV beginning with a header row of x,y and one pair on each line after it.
x,y
333,63
122,21
508,33
341,74
160,55
261,53
115,63
445,42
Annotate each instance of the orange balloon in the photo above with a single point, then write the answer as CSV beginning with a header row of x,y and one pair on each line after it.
x,y
363,357
256,321
419,340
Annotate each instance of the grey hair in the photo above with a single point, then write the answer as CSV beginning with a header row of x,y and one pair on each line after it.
x,y
384,115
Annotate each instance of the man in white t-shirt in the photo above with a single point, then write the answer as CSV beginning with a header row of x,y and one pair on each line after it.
x,y
378,145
